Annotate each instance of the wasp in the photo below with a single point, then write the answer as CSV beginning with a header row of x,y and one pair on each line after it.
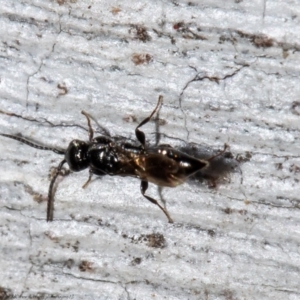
x,y
161,165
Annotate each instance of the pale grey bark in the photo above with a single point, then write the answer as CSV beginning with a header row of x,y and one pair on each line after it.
x,y
229,73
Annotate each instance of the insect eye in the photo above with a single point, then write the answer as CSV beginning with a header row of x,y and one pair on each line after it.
x,y
77,155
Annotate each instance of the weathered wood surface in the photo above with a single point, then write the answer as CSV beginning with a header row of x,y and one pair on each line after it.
x,y
229,73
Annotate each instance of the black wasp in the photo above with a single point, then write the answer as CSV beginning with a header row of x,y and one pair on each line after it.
x,y
161,164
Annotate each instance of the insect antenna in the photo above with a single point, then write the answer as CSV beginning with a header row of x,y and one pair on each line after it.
x,y
50,203
34,145
41,147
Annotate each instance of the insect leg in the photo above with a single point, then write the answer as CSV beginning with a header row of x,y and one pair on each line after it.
x,y
157,129
89,180
159,189
220,153
50,204
105,132
140,135
91,131
93,172
144,186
